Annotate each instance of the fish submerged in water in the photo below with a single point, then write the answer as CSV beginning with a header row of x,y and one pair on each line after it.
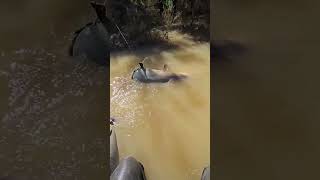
x,y
93,40
148,75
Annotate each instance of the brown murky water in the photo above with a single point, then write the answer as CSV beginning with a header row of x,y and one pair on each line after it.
x,y
52,108
266,102
165,126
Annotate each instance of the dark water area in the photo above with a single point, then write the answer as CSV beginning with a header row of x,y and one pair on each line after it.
x,y
266,101
53,107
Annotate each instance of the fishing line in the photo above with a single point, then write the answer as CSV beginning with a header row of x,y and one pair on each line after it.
x,y
123,37
129,47
125,40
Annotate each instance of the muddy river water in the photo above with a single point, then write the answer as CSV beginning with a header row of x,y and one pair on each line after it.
x,y
266,101
165,126
52,108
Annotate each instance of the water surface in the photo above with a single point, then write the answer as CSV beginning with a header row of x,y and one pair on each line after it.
x,y
165,126
52,107
266,101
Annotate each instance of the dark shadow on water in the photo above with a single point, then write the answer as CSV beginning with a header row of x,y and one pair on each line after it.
x,y
227,50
